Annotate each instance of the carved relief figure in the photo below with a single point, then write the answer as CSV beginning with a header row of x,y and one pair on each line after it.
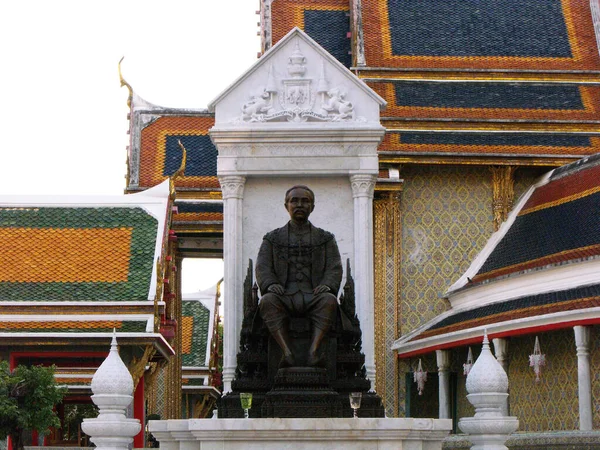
x,y
299,272
336,106
258,104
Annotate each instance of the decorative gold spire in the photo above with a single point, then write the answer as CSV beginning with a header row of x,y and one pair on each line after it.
x,y
179,172
160,276
503,193
125,83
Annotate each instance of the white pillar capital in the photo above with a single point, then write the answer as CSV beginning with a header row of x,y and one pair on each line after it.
x,y
443,359
363,185
232,186
582,339
501,352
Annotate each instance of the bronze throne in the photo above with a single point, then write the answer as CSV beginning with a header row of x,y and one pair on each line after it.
x,y
300,391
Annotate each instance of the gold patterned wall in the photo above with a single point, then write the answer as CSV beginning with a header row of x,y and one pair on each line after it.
x,y
552,403
595,375
404,367
447,218
525,177
459,357
387,263
408,366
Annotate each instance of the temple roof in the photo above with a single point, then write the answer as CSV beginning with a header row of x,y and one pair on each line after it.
x,y
81,248
466,78
198,326
326,21
473,34
75,268
555,224
198,322
538,271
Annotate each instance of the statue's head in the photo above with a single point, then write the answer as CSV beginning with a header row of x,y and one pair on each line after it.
x,y
299,202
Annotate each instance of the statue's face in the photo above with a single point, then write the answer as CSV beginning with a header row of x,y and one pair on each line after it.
x,y
299,204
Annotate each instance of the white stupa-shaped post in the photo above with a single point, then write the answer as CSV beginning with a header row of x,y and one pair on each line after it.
x,y
112,386
487,387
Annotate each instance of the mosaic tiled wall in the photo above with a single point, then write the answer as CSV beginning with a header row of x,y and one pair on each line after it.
x,y
160,392
525,178
446,220
459,357
408,366
552,403
595,369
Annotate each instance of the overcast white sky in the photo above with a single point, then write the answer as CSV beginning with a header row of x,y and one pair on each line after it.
x,y
62,112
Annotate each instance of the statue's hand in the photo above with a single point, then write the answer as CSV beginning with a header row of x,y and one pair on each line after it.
x,y
320,289
276,289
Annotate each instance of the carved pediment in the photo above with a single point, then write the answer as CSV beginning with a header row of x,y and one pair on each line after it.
x,y
297,81
297,97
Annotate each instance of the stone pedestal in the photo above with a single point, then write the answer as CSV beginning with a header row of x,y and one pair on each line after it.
x,y
301,392
301,434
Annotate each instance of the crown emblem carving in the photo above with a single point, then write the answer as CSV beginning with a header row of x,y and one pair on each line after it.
x,y
297,98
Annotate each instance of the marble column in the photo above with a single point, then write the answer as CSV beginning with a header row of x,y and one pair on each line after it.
x,y
232,187
582,342
443,364
501,353
363,187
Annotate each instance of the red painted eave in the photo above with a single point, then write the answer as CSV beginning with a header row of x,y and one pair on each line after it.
x,y
491,335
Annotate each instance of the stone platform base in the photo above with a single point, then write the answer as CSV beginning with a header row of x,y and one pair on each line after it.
x,y
301,434
551,440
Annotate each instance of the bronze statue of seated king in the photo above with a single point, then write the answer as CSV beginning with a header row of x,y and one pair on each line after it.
x,y
299,271
300,349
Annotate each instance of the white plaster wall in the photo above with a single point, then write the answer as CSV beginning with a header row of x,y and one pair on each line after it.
x,y
263,211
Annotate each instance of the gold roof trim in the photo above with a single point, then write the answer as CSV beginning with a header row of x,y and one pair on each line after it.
x,y
126,84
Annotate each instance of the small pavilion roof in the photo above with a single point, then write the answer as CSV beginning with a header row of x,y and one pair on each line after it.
x,y
81,248
537,272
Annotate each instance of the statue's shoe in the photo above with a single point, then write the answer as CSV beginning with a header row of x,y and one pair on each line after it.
x,y
287,361
315,360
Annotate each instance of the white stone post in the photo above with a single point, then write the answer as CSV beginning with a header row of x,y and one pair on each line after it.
x,y
501,353
363,187
487,387
112,386
232,187
443,364
582,342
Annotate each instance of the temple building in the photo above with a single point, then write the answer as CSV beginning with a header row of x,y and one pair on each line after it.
x,y
481,102
75,268
485,216
484,98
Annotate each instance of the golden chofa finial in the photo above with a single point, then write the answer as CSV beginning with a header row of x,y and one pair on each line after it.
x,y
179,172
125,83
